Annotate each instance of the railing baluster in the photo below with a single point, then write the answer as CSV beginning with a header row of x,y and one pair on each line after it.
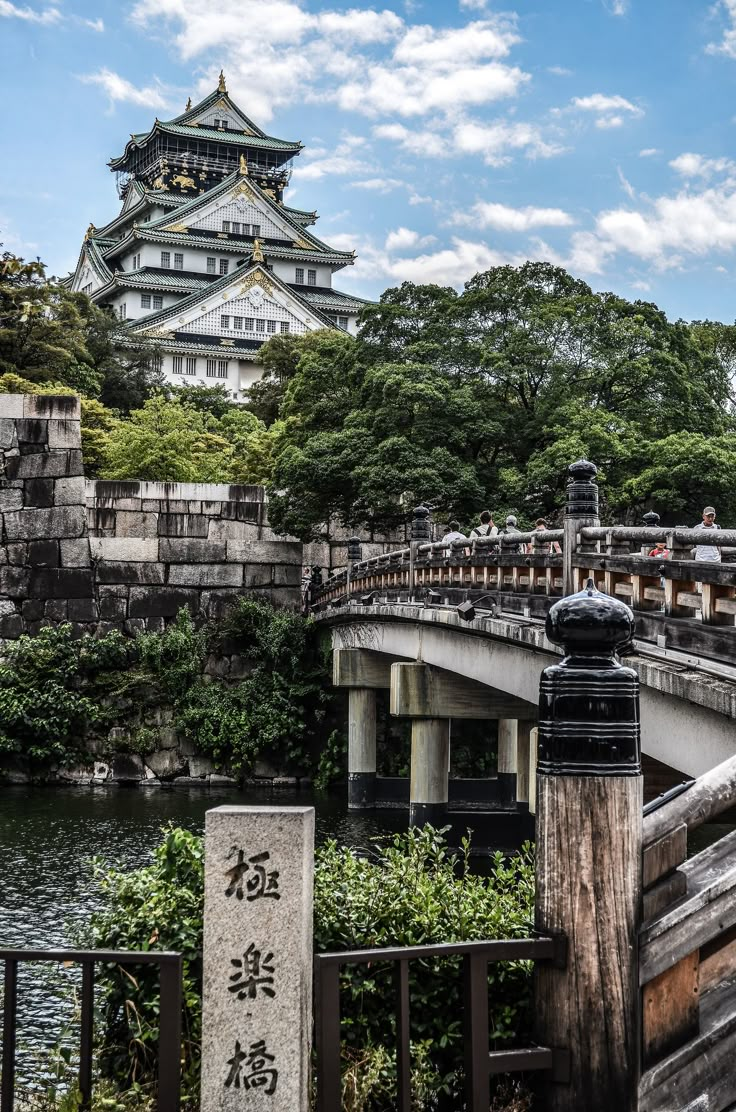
x,y
169,1034
86,1034
403,1042
327,1036
10,999
475,972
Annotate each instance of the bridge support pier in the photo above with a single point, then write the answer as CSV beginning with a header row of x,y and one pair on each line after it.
x,y
430,761
507,759
524,729
361,748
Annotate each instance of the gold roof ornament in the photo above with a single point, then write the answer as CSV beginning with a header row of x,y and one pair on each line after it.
x,y
189,104
257,256
90,231
221,87
244,166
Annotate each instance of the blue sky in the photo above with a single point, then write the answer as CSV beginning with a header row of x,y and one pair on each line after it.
x,y
442,137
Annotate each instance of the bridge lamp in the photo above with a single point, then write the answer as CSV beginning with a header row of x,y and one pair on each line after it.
x,y
369,599
432,598
466,610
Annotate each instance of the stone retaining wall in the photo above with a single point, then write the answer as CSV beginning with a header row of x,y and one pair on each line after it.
x,y
117,555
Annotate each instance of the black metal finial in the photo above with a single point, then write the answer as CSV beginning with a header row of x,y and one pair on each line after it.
x,y
421,528
355,550
589,704
650,519
582,491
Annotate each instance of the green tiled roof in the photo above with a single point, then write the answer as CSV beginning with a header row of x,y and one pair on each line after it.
x,y
334,301
267,141
155,235
147,276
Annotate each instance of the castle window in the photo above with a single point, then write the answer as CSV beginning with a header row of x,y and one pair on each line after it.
x,y
255,229
225,322
156,363
236,228
343,322
158,301
260,325
191,365
87,288
299,276
226,226
178,261
284,326
212,266
311,277
217,368
248,324
238,324
166,259
177,365
224,266
123,311
271,326
145,301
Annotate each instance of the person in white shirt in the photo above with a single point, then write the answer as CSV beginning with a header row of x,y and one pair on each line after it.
x,y
454,533
486,527
708,551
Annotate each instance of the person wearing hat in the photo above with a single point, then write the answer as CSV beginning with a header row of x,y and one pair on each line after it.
x,y
708,551
511,527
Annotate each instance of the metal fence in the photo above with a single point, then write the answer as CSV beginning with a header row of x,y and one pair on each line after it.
x,y
480,1062
169,1039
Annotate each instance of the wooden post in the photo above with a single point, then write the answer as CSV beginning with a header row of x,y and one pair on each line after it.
x,y
581,510
589,835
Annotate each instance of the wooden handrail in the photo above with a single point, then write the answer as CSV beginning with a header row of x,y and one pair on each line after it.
x,y
709,795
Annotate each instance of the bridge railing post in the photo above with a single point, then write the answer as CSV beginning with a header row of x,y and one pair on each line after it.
x,y
581,510
421,533
588,871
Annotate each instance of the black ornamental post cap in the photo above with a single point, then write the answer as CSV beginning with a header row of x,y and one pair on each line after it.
x,y
354,550
589,703
420,524
651,519
582,491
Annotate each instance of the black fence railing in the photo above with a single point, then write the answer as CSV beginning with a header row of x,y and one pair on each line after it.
x,y
480,1062
169,1039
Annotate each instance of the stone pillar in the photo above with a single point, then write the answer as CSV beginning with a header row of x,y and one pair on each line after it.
x,y
588,871
430,759
361,748
524,728
257,958
507,760
581,510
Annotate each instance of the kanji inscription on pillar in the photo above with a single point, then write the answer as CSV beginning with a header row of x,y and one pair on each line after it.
x,y
257,1006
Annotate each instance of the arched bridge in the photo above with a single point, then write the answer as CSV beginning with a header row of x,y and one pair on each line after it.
x,y
463,624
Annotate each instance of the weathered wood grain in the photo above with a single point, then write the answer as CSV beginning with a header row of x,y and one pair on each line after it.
x,y
718,960
670,1010
663,894
588,886
664,855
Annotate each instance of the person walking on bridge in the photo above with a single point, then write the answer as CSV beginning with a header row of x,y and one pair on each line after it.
x,y
708,551
486,527
511,527
553,548
454,533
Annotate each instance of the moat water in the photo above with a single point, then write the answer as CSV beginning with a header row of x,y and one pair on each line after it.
x,y
47,839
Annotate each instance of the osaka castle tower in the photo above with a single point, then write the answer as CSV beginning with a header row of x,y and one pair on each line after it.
x,y
204,257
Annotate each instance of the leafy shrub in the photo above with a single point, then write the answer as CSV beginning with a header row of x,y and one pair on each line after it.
x,y
412,892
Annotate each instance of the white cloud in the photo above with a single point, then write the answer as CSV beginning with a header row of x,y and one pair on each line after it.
x,y
427,144
503,218
476,5
649,152
599,102
691,165
495,141
559,71
93,24
378,185
360,26
727,45
117,88
626,184
403,239
605,122
30,15
619,7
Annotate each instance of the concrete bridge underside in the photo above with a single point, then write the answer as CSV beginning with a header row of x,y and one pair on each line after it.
x,y
688,716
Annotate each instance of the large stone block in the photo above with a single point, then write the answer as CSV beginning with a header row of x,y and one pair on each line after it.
x,y
113,609
217,604
232,530
29,525
14,582
259,575
43,554
182,525
60,583
55,609
46,465
64,434
127,767
206,575
287,576
201,766
135,524
11,500
83,610
259,874
61,407
69,492
38,493
11,406
33,431
190,551
242,511
265,552
123,549
163,602
166,763
11,626
75,554
112,571
8,436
